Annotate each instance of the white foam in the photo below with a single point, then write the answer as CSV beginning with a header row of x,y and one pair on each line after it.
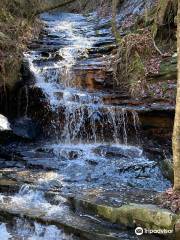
x,y
48,233
23,229
4,235
77,48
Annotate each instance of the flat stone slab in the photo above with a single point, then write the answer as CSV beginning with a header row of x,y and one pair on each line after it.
x,y
14,179
124,195
120,209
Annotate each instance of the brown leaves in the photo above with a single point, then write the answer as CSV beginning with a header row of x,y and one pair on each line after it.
x,y
171,200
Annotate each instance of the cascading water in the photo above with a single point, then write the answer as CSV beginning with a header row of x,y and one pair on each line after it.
x,y
85,117
85,129
88,146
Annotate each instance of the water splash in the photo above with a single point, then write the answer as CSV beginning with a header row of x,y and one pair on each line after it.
x,y
49,232
4,235
24,229
79,115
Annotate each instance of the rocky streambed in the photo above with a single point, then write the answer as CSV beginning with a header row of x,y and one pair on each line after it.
x,y
79,162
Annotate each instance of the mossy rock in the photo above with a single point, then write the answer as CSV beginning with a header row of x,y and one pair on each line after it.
x,y
148,216
167,71
167,169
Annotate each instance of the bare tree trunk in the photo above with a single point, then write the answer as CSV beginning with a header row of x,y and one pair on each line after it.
x,y
114,24
114,9
176,133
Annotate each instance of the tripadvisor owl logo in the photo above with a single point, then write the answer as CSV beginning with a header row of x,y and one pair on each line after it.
x,y
139,231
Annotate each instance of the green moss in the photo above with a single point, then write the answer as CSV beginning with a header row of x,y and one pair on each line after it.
x,y
137,65
165,14
149,216
145,215
154,29
136,74
116,33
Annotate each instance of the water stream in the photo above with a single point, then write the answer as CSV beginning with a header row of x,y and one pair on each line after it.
x,y
90,141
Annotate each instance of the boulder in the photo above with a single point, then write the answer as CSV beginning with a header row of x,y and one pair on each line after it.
x,y
26,128
19,129
123,152
145,215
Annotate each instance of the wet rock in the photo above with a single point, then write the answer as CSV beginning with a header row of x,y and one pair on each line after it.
x,y
45,54
26,128
112,198
8,185
92,162
103,49
157,124
10,164
58,57
123,152
27,75
147,216
9,154
71,154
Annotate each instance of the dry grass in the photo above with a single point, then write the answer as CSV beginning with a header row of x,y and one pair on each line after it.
x,y
135,59
17,26
171,200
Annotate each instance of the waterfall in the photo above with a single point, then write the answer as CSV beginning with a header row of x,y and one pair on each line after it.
x,y
81,115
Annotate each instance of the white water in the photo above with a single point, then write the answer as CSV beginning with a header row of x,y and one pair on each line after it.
x,y
4,235
81,121
85,117
23,230
88,124
33,200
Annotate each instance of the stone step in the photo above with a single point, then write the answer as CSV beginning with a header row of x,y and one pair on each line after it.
x,y
117,207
